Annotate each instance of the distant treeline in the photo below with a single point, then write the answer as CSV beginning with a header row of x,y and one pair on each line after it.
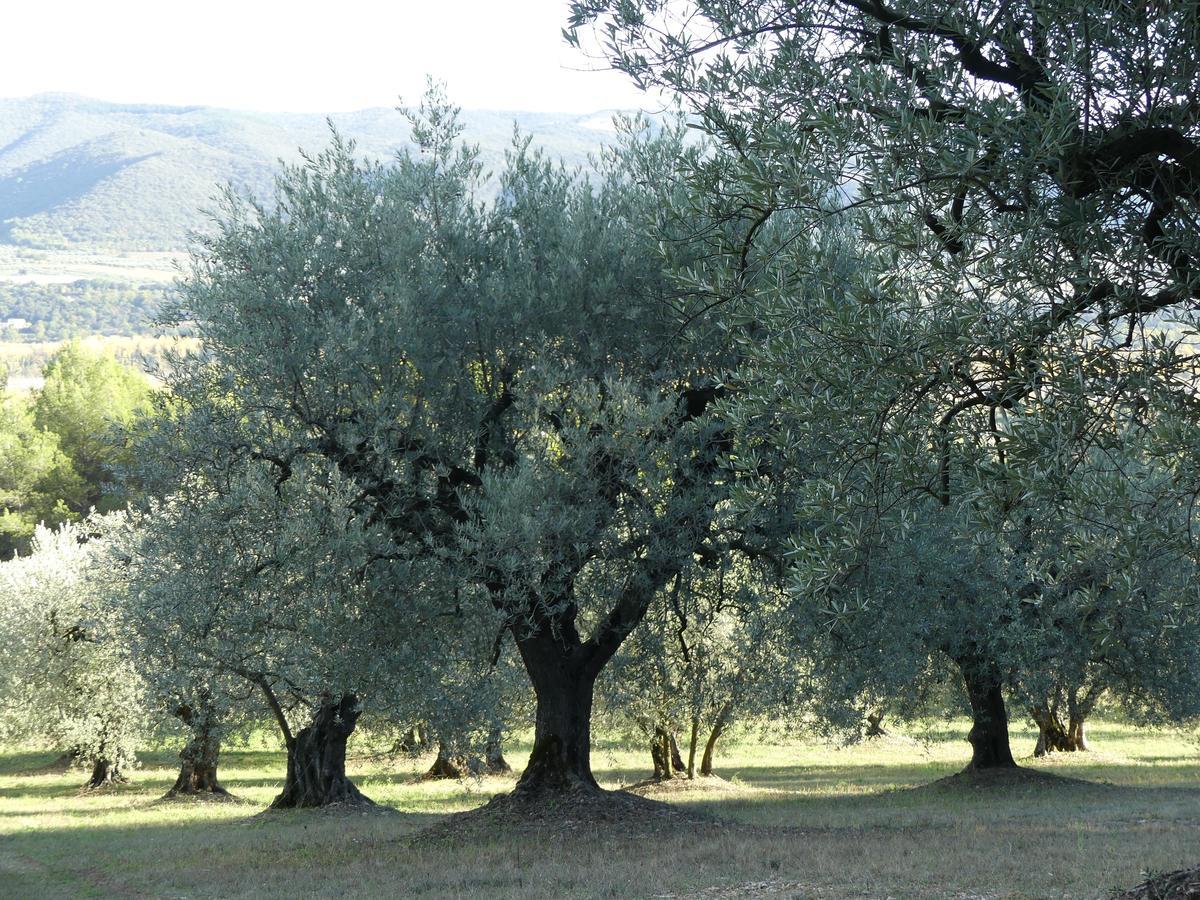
x,y
57,312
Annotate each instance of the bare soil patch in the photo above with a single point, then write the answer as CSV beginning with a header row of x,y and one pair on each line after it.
x,y
677,787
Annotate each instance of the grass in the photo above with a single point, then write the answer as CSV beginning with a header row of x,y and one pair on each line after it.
x,y
822,822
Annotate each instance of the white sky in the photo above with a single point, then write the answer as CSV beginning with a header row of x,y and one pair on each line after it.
x,y
304,56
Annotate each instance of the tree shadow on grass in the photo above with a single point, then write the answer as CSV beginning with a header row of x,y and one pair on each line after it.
x,y
29,763
909,795
175,857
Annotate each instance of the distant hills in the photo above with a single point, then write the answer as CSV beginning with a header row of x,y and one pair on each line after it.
x,y
84,175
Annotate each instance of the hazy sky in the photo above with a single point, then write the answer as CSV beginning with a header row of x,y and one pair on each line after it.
x,y
300,55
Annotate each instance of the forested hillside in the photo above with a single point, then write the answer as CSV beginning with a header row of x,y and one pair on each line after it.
x,y
76,172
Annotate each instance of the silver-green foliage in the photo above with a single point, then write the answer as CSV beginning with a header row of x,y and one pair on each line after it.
x,y
486,402
959,242
68,676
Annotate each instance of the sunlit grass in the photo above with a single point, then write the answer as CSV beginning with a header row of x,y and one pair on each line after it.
x,y
829,822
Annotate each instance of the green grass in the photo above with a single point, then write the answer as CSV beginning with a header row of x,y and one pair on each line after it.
x,y
828,822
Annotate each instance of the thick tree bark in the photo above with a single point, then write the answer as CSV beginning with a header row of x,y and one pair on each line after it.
x,y
1078,709
1059,734
664,752
990,747
198,758
198,769
560,761
659,756
316,768
447,765
1076,736
494,762
105,773
1053,736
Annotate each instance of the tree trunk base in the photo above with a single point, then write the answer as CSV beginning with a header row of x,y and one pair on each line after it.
x,y
496,764
316,775
105,775
549,774
1055,735
447,766
988,737
585,811
195,783
664,753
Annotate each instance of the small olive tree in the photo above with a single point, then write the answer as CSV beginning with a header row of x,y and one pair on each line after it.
x,y
274,585
68,676
706,655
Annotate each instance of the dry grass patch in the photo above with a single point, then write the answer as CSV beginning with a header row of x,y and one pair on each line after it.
x,y
797,819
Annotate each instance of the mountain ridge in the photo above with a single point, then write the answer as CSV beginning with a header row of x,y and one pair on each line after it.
x,y
80,174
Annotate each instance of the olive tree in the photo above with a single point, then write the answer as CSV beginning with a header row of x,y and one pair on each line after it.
x,y
68,675
1008,194
706,656
272,585
500,387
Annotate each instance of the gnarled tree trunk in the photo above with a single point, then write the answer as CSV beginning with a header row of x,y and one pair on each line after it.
x,y
676,756
198,758
664,752
1076,735
990,747
1053,736
719,725
447,765
1078,709
494,762
875,724
105,773
316,767
1057,734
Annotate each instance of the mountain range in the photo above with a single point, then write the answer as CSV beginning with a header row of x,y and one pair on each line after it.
x,y
78,174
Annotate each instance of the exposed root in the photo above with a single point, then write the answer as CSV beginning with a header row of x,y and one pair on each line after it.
x,y
447,767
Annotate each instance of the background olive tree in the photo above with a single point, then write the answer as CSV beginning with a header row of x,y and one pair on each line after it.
x,y
1009,197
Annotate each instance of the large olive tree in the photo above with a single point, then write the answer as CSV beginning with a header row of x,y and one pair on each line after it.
x,y
500,386
958,231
